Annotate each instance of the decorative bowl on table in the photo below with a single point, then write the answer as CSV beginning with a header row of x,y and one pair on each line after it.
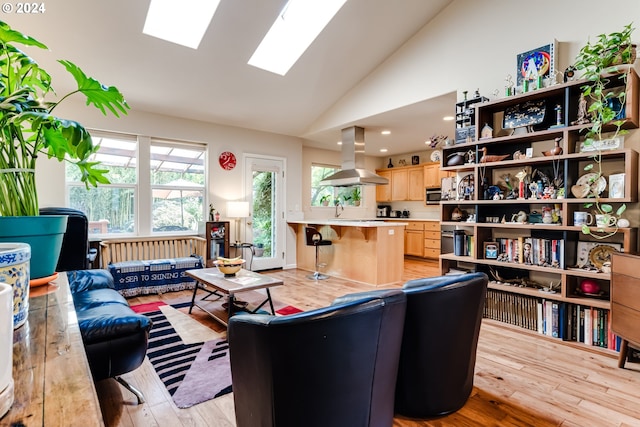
x,y
229,267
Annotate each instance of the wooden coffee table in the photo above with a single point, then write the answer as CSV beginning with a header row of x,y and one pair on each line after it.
x,y
223,289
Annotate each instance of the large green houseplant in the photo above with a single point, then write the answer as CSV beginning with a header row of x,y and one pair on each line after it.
x,y
29,129
600,62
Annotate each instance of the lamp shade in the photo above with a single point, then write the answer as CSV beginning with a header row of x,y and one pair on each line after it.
x,y
237,209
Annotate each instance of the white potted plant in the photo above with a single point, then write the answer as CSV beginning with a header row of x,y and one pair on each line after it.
x,y
29,129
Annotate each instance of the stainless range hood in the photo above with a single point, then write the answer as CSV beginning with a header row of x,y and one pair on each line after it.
x,y
353,171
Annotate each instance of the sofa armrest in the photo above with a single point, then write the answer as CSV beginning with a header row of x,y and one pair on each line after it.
x,y
86,280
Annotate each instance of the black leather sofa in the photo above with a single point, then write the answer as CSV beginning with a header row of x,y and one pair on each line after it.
x,y
114,336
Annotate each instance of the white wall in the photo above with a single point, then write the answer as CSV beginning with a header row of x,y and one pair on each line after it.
x,y
473,45
223,185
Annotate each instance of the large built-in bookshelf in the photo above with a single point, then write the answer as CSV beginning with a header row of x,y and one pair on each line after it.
x,y
497,239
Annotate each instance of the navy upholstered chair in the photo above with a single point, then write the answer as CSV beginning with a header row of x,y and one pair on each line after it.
x,y
335,366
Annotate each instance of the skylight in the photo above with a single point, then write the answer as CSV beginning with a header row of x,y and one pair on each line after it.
x,y
183,22
292,32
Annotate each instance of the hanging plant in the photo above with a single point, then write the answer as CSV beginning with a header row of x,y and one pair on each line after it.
x,y
600,63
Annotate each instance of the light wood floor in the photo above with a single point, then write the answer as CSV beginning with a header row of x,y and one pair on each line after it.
x,y
522,378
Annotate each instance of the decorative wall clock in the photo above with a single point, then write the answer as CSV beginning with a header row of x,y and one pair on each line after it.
x,y
227,160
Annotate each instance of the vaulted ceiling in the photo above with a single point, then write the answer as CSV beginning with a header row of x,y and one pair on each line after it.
x,y
214,82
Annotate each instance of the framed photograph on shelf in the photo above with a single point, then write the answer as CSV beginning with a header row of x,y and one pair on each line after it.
x,y
490,250
534,63
616,186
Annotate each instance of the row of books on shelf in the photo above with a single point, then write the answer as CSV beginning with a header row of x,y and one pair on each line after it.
x,y
558,319
532,251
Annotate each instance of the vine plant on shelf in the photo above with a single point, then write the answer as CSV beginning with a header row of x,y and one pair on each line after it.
x,y
601,62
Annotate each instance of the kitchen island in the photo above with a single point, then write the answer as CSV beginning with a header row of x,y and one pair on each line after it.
x,y
366,251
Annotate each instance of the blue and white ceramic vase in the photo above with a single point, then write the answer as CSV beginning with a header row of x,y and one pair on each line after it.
x,y
6,348
14,270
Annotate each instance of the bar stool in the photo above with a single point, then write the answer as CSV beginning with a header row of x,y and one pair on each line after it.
x,y
314,238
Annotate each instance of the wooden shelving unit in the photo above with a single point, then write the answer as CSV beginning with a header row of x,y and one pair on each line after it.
x,y
569,166
217,235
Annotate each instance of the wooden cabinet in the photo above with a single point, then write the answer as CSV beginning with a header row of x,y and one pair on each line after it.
x,y
383,192
399,184
405,183
217,235
432,239
625,301
414,239
513,221
433,175
422,239
416,184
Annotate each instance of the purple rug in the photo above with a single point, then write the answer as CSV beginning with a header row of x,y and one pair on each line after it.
x,y
192,373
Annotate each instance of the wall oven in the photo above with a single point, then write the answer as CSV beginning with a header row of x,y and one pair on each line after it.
x,y
432,196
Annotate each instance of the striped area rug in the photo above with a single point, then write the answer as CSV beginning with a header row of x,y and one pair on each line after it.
x,y
192,373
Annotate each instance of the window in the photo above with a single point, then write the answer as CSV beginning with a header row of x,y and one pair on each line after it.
x,y
110,208
326,195
171,199
177,186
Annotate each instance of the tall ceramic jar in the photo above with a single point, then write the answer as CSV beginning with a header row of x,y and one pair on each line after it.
x,y
14,270
6,348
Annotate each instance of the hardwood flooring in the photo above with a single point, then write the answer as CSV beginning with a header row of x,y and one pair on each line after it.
x,y
522,378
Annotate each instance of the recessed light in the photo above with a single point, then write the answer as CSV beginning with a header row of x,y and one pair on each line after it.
x,y
447,118
339,142
383,150
386,132
428,141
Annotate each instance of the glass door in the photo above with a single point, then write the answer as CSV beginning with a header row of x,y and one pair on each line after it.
x,y
265,227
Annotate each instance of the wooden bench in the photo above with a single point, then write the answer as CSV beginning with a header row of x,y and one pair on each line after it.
x,y
152,265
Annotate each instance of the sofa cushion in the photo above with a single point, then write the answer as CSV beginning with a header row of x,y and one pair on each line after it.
x,y
109,322
95,298
82,280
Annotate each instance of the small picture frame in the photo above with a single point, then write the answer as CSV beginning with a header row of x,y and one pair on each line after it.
x,y
490,250
534,63
616,186
415,160
529,153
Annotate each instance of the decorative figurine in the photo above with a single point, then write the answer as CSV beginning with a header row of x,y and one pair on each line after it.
x,y
390,165
471,156
508,89
569,73
487,132
558,110
583,115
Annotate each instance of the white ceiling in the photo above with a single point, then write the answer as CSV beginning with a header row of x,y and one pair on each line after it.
x,y
215,84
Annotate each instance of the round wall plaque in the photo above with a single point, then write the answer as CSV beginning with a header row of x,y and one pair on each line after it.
x,y
227,160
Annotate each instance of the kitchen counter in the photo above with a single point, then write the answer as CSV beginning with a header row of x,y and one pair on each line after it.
x,y
408,219
351,222
366,251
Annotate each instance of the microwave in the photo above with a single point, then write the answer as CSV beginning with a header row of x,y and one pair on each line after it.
x,y
432,196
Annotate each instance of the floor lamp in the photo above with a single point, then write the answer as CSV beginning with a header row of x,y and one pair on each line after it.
x,y
237,210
